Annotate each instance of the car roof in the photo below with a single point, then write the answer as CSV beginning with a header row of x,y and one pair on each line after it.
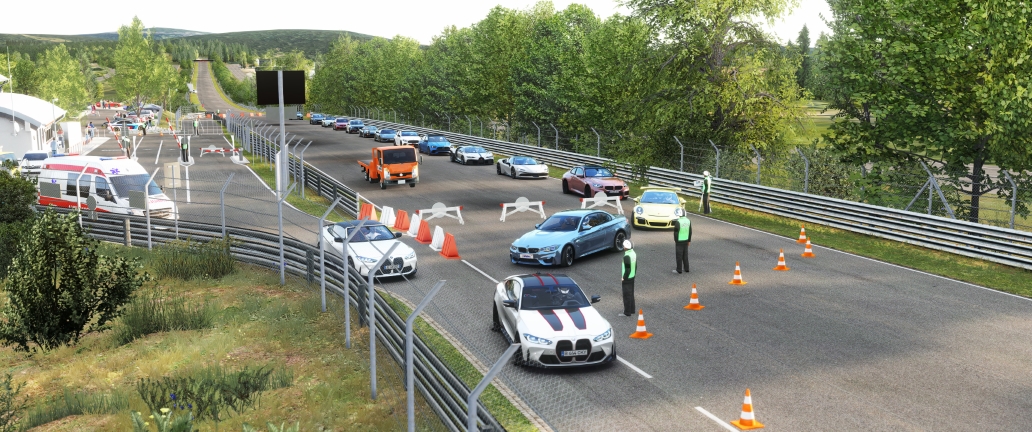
x,y
659,189
577,212
352,223
545,279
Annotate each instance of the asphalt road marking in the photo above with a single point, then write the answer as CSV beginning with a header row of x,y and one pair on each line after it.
x,y
882,262
633,367
158,155
714,418
480,271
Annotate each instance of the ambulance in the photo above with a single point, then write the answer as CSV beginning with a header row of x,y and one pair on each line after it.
x,y
108,180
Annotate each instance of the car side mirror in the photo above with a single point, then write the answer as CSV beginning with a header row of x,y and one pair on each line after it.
x,y
338,240
397,235
537,226
636,199
596,298
509,303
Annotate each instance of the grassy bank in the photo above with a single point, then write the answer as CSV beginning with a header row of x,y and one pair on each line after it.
x,y
312,203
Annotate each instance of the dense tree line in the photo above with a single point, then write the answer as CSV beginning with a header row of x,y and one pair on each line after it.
x,y
56,73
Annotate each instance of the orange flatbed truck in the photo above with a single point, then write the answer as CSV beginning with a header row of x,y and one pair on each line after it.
x,y
392,165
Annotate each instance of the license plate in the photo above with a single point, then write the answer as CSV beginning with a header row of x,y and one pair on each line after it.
x,y
390,266
401,181
527,256
574,353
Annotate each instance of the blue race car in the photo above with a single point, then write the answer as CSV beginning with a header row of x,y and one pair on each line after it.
x,y
434,145
384,135
569,235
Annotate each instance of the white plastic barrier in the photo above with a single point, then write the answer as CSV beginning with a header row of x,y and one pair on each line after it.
x,y
387,216
601,200
213,149
441,210
437,241
522,205
413,228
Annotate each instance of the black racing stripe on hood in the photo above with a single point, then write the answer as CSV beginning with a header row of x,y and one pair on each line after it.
x,y
578,318
549,315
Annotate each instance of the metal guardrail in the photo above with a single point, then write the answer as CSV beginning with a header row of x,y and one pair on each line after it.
x,y
443,391
986,242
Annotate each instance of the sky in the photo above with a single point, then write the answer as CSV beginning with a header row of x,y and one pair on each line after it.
x,y
417,19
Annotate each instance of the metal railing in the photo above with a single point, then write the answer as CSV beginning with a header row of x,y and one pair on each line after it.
x,y
996,244
443,391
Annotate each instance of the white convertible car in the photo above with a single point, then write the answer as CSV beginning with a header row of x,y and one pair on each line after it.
x,y
552,320
521,166
369,245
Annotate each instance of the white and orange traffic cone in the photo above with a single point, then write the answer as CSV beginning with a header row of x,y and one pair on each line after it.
x,y
640,332
808,253
738,276
747,420
694,304
802,234
781,262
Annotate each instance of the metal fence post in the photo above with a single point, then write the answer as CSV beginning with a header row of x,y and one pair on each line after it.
x,y
279,216
806,171
759,162
598,144
556,136
128,233
409,361
347,285
717,169
934,183
1014,197
222,204
481,125
470,124
301,169
422,119
471,402
146,209
372,319
682,152
539,132
322,255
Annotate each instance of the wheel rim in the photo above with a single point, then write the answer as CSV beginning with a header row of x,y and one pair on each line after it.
x,y
618,241
568,256
513,173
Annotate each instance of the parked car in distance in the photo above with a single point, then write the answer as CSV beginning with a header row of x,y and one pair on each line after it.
x,y
316,118
384,135
355,125
340,123
406,138
434,145
521,167
31,162
590,179
368,131
329,121
300,115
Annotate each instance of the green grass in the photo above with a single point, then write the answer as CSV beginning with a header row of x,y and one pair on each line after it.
x,y
996,276
312,203
194,99
222,94
75,404
155,312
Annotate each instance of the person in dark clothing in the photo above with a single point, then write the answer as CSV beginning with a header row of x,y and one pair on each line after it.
x,y
630,264
184,145
682,238
707,184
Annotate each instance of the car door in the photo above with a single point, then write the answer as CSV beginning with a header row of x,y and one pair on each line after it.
x,y
505,164
576,180
593,232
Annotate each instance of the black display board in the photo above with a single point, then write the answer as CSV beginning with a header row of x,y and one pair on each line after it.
x,y
268,87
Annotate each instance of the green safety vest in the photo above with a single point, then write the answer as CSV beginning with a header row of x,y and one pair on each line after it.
x,y
634,263
706,184
686,227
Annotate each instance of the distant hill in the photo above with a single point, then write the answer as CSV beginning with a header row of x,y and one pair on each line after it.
x,y
29,39
310,41
158,32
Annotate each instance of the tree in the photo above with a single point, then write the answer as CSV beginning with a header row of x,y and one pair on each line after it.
x,y
803,44
17,196
60,76
943,83
59,286
135,64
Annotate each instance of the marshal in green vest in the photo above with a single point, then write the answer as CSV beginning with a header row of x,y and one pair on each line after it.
x,y
634,263
685,228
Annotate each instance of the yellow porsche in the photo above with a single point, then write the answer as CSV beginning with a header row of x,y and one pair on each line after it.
x,y
655,207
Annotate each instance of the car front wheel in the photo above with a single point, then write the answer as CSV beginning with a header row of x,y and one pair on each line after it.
x,y
498,168
566,187
587,191
513,172
496,324
566,258
618,240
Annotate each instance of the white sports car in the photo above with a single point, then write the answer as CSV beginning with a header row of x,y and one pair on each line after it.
x,y
469,154
552,320
406,137
369,245
521,166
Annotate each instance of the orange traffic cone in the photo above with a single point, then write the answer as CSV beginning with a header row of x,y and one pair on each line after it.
x,y
640,332
802,234
808,253
449,250
693,304
366,211
781,262
748,417
401,223
738,276
423,236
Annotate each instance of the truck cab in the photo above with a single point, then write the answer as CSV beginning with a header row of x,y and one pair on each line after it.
x,y
392,166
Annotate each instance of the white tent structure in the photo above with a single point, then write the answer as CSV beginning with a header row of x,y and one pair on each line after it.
x,y
26,122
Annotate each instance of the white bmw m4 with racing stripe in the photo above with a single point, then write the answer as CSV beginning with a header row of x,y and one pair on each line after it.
x,y
553,321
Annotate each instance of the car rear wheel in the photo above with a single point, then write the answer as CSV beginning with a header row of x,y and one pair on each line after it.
x,y
566,258
618,240
566,187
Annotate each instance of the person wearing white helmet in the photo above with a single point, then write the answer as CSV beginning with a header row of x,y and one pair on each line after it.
x,y
707,184
682,238
630,263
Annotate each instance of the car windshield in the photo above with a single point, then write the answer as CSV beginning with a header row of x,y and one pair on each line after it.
x,y
408,133
655,197
436,139
357,122
524,161
133,182
370,128
403,154
7,157
342,120
386,131
475,149
561,223
553,297
35,156
597,172
366,233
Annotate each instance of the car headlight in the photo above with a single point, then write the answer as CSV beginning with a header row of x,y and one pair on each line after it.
x,y
410,255
608,334
639,210
534,339
552,248
596,185
367,259
386,173
512,247
415,172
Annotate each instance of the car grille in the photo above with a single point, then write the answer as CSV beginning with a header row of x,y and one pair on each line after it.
x,y
659,224
164,213
399,267
528,250
614,188
565,345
